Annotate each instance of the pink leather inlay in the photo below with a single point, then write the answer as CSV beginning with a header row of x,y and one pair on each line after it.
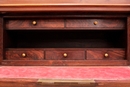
x,y
96,73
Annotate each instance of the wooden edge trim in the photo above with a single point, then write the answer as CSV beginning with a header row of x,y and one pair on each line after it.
x,y
65,4
57,80
66,62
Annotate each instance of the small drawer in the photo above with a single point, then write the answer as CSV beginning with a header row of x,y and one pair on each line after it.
x,y
96,23
24,55
34,24
105,54
65,55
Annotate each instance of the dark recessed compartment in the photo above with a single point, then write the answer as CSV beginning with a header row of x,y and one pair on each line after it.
x,y
66,39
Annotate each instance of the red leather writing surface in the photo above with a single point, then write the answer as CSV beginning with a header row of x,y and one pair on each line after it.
x,y
96,73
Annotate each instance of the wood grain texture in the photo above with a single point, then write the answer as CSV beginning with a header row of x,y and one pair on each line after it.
x,y
60,24
101,23
55,56
26,82
102,9
79,15
41,23
128,39
113,83
64,5
100,54
65,63
30,55
1,40
34,82
59,55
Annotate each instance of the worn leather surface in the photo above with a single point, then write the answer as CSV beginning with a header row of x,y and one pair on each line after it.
x,y
54,72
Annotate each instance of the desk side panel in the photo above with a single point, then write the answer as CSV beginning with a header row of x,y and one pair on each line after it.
x,y
128,39
1,39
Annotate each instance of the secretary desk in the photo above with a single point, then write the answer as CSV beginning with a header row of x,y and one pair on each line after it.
x,y
64,33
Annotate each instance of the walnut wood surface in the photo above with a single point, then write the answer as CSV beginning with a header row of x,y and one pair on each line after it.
x,y
89,23
30,55
41,23
100,54
65,5
1,39
65,63
27,82
39,7
59,55
128,39
102,24
113,83
80,15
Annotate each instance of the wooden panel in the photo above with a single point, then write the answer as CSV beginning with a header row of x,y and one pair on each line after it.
x,y
65,62
1,40
40,24
105,54
65,5
113,83
128,39
65,55
95,23
65,1
70,23
24,55
25,82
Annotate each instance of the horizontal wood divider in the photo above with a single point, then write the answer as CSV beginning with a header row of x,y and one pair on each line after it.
x,y
28,82
64,8
65,62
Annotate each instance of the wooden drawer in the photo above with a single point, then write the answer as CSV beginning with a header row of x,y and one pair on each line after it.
x,y
96,23
34,24
24,55
65,55
105,54
69,24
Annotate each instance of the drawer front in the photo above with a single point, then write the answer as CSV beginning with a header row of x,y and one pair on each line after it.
x,y
96,23
24,55
65,55
65,24
105,54
34,24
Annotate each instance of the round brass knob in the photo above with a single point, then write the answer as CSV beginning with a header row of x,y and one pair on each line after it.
x,y
95,22
24,54
34,22
65,55
106,55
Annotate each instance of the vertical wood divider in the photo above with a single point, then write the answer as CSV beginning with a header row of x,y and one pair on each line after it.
x,y
1,39
128,40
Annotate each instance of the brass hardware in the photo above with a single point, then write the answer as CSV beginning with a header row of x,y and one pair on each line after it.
x,y
95,22
65,55
24,54
106,55
34,22
60,82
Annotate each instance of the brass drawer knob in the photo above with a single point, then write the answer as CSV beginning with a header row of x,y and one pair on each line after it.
x,y
95,23
65,55
34,22
106,55
24,54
